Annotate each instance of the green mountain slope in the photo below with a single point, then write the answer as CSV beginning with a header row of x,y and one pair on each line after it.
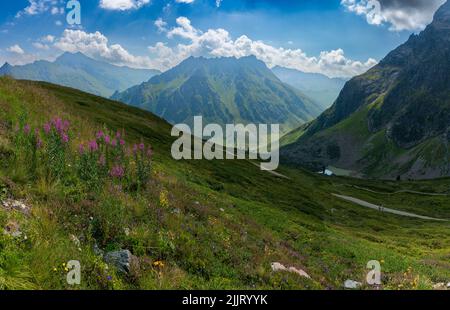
x,y
81,72
393,120
222,90
199,224
319,87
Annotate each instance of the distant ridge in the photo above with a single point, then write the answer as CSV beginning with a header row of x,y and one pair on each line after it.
x,y
78,71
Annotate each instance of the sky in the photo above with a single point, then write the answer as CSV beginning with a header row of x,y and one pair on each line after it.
x,y
338,38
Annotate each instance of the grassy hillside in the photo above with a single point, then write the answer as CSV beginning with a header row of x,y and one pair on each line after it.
x,y
197,224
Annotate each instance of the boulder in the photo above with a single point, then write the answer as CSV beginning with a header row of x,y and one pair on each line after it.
x,y
123,260
350,284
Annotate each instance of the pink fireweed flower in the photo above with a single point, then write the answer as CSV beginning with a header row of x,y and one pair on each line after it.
x,y
100,134
114,142
27,129
47,128
81,149
118,135
117,172
64,138
122,142
107,139
57,122
93,146
65,125
141,146
38,142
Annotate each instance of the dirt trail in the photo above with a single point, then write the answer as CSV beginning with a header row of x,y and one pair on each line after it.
x,y
386,210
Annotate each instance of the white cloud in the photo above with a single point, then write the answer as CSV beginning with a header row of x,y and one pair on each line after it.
x,y
41,46
218,3
36,7
184,1
122,5
42,43
399,14
161,25
96,45
219,43
16,49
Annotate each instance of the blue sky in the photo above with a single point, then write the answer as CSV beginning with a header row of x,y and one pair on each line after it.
x,y
334,37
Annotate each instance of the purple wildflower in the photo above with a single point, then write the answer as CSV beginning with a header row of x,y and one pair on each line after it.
x,y
38,142
122,142
65,125
27,129
47,128
64,138
100,134
114,142
81,149
93,146
141,146
107,139
135,148
117,172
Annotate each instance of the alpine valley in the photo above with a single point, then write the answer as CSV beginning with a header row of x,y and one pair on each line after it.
x,y
390,122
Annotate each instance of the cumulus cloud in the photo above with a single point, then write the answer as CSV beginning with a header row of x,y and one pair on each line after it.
x,y
219,43
43,42
36,7
399,14
184,1
17,56
122,5
96,45
16,49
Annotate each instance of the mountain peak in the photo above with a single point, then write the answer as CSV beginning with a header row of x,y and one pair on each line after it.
x,y
442,16
6,65
5,68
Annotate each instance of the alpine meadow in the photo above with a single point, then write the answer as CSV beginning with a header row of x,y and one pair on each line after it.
x,y
92,196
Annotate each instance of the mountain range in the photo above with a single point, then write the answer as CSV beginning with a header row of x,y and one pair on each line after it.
x,y
391,122
223,90
319,87
80,72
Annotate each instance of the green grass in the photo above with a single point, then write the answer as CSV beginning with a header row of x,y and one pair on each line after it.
x,y
265,219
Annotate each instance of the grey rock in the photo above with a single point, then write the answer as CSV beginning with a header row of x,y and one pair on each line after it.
x,y
122,260
350,284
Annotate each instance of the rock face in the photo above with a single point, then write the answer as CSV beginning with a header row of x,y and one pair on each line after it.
x,y
394,119
123,260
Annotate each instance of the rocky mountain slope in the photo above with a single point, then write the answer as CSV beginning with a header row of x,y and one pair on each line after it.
x,y
393,120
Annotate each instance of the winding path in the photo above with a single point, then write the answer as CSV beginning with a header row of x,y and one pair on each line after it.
x,y
387,210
